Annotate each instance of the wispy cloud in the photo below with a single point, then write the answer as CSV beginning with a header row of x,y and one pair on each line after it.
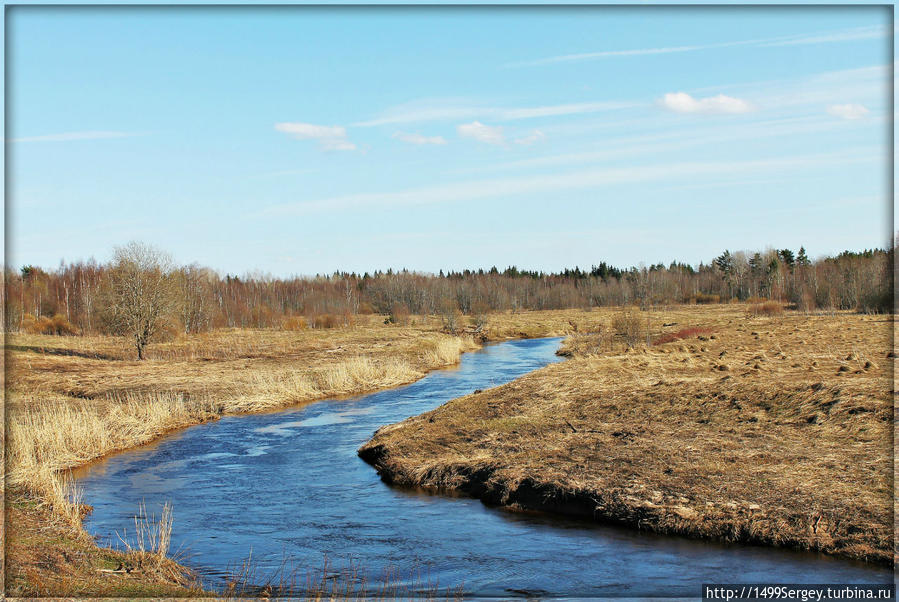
x,y
622,148
488,134
848,111
457,110
419,139
329,137
70,136
846,35
571,180
681,102
532,138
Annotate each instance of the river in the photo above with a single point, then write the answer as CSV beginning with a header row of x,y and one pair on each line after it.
x,y
289,484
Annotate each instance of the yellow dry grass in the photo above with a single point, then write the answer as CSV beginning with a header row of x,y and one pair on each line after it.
x,y
71,400
774,430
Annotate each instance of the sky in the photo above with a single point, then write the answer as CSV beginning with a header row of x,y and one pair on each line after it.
x,y
304,140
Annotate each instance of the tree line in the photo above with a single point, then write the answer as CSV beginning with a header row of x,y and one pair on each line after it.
x,y
89,297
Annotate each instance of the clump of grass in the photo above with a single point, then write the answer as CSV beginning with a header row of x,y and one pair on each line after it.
x,y
291,581
684,333
595,342
768,308
154,536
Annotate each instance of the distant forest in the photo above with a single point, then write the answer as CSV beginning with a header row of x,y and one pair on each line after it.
x,y
70,300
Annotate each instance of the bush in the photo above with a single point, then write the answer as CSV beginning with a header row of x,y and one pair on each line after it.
x,y
326,321
58,325
629,327
703,299
294,323
768,308
399,314
756,300
366,309
451,320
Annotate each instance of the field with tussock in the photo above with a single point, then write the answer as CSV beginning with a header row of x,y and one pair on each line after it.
x,y
717,422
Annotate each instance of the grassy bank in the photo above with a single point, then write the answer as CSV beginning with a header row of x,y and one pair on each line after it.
x,y
72,399
738,424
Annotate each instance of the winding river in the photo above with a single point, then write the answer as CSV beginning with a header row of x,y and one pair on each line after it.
x,y
289,484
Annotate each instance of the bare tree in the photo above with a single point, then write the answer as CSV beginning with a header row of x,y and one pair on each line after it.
x,y
139,292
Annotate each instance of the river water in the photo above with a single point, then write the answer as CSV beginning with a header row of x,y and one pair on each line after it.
x,y
290,485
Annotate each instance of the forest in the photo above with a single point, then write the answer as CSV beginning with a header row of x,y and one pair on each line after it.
x,y
75,297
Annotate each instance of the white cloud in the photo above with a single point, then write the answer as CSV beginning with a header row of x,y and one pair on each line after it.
x,y
458,109
488,134
329,137
69,136
419,139
848,111
535,136
681,102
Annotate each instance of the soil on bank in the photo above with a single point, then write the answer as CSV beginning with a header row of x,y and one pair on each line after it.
x,y
769,430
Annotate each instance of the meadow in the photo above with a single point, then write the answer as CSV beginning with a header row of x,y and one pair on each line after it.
x,y
729,422
741,422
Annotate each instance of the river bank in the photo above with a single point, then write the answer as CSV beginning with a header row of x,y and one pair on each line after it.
x,y
772,430
72,400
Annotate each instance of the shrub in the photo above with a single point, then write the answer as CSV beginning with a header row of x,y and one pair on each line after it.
x,y
807,301
366,309
629,327
755,300
451,321
58,325
399,314
294,323
326,321
768,308
703,299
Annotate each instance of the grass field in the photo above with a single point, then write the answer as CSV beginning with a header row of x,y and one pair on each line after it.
x,y
71,400
735,425
771,429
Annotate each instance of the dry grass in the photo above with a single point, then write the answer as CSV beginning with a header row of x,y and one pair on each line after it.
x,y
768,308
292,581
46,556
71,400
774,430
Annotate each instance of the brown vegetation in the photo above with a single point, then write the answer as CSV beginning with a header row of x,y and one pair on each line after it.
x,y
71,400
90,296
768,308
773,430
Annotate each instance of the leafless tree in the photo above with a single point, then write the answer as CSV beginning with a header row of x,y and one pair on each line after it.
x,y
139,293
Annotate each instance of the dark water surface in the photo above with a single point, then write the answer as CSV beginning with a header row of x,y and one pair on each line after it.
x,y
290,484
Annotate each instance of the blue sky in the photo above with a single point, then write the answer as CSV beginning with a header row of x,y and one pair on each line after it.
x,y
302,140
